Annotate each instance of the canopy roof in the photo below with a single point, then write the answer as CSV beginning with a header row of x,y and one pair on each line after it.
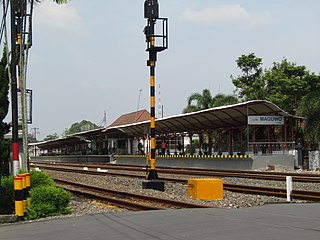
x,y
219,117
230,116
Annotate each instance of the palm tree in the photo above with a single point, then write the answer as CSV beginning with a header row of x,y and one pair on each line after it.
x,y
222,100
197,101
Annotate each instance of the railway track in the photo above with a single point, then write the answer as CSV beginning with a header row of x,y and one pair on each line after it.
x,y
247,189
274,176
276,192
127,200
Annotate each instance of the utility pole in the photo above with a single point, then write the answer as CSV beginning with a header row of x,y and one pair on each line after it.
x,y
14,99
155,43
21,25
140,91
104,119
136,117
35,132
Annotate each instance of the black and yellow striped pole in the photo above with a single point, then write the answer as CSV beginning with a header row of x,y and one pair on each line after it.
x,y
151,12
19,197
152,63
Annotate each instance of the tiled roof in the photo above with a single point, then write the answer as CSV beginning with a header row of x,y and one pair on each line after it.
x,y
129,118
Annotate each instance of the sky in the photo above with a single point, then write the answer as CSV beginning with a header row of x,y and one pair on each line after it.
x,y
89,56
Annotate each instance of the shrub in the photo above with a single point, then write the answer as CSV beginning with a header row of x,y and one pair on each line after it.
x,y
40,179
7,183
48,201
36,179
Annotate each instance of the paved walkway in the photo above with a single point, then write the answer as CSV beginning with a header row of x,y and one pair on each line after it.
x,y
273,221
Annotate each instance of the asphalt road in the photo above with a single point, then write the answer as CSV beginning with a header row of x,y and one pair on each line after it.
x,y
275,221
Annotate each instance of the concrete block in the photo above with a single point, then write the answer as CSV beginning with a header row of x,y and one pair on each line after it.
x,y
205,188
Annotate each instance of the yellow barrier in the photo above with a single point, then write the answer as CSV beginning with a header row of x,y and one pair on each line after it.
x,y
19,196
28,187
205,188
24,189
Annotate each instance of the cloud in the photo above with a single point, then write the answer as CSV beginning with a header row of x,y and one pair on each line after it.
x,y
62,18
225,13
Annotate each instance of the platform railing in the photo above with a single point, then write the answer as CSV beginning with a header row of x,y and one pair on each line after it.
x,y
268,148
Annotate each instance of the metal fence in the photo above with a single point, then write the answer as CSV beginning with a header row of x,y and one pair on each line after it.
x,y
261,148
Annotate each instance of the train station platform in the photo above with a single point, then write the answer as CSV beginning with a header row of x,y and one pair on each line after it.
x,y
234,162
284,221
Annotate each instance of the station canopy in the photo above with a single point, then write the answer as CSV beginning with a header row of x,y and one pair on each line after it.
x,y
230,116
70,140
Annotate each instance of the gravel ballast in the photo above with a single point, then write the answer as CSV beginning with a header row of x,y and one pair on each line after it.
x,y
174,191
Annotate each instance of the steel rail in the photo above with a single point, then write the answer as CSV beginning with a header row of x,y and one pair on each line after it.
x,y
127,199
247,189
274,176
277,192
110,200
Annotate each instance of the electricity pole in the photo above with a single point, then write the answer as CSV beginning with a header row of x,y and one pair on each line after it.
x,y
14,99
21,25
155,43
35,132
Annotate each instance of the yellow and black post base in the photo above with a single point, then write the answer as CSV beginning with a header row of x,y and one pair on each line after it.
x,y
151,12
24,189
28,188
19,197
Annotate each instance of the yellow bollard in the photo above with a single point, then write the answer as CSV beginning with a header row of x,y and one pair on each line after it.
x,y
28,187
24,188
205,188
18,194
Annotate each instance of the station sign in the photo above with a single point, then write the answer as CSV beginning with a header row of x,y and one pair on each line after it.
x,y
265,120
28,105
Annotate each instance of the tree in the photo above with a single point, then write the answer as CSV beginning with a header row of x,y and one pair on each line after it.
x,y
51,137
222,100
251,84
310,109
82,126
284,84
4,106
287,83
197,101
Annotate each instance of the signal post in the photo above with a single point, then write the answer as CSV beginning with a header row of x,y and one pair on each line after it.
x,y
156,42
